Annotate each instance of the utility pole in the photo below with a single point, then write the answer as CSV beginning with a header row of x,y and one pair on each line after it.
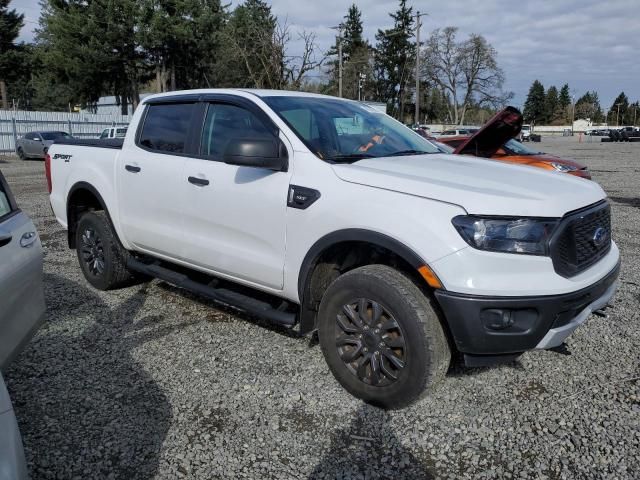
x,y
417,116
618,114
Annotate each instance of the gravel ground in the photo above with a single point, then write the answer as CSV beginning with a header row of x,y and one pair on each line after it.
x,y
153,382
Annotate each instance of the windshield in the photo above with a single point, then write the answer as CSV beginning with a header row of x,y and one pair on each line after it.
x,y
347,131
518,148
53,135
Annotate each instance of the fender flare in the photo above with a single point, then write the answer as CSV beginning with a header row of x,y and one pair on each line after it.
x,y
307,316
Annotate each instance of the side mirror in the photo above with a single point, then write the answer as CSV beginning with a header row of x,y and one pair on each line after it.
x,y
269,153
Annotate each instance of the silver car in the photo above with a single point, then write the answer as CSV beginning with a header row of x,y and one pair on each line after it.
x,y
36,144
22,310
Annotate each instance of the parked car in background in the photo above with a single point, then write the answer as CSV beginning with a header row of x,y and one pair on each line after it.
x,y
458,132
36,144
114,132
493,141
22,310
525,133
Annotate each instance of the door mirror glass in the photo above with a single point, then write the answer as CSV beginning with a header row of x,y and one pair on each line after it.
x,y
267,153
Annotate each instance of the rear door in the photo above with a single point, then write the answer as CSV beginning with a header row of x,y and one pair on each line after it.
x,y
21,296
151,178
29,144
235,217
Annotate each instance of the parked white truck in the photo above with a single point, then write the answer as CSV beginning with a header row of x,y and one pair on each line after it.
x,y
397,255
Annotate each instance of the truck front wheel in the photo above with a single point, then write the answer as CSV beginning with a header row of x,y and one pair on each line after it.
x,y
102,258
381,337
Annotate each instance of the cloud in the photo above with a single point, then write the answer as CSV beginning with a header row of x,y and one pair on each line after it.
x,y
588,44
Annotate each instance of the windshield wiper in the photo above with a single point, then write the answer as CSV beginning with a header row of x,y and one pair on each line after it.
x,y
408,152
350,157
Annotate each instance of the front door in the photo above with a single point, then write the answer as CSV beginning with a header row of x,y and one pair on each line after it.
x,y
235,216
22,301
151,180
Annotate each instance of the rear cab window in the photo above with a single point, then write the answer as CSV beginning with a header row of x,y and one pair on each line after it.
x,y
166,127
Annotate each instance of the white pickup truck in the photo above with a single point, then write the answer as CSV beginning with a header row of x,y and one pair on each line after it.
x,y
326,215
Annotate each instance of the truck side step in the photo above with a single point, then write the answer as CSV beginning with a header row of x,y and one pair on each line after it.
x,y
226,296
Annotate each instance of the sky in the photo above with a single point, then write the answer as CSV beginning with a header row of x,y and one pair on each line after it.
x,y
589,44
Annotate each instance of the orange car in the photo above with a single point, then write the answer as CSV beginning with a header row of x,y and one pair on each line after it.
x,y
496,140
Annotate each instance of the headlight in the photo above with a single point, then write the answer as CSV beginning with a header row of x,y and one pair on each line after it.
x,y
510,235
563,168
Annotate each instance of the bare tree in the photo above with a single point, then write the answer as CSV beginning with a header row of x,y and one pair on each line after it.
x,y
297,66
467,72
267,59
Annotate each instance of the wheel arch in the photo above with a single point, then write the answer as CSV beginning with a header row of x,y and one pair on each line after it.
x,y
82,197
343,242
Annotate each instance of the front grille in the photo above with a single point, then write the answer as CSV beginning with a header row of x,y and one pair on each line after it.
x,y
575,246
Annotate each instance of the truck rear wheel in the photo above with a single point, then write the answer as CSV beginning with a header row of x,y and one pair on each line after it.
x,y
381,337
102,258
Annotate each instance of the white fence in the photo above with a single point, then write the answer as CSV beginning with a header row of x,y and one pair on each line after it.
x,y
15,123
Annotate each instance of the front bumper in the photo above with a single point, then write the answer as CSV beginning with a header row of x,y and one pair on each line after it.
x,y
488,325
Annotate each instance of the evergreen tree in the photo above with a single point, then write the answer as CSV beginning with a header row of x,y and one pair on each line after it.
x,y
619,111
356,59
251,57
551,105
182,41
10,24
352,37
89,49
534,107
588,107
394,60
564,103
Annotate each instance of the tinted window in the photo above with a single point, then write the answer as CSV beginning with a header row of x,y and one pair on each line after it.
x,y
226,122
54,135
29,136
166,127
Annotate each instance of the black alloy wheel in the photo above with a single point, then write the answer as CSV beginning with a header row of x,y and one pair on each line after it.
x,y
370,342
92,251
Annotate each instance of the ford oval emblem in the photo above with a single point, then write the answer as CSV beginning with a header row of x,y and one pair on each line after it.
x,y
599,237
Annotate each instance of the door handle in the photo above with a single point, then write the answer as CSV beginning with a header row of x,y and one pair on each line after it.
x,y
5,237
28,239
132,168
201,182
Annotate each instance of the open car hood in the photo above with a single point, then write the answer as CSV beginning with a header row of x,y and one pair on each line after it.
x,y
505,125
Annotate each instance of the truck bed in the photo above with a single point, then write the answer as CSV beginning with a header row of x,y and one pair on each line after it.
x,y
115,143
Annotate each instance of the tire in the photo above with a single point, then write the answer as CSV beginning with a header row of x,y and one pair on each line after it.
x,y
101,257
21,154
419,341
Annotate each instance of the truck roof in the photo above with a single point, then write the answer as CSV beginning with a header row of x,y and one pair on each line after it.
x,y
252,91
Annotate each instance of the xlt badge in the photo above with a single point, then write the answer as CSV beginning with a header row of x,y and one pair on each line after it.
x,y
301,197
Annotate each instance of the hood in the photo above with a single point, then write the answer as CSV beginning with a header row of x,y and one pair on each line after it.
x,y
486,188
504,125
